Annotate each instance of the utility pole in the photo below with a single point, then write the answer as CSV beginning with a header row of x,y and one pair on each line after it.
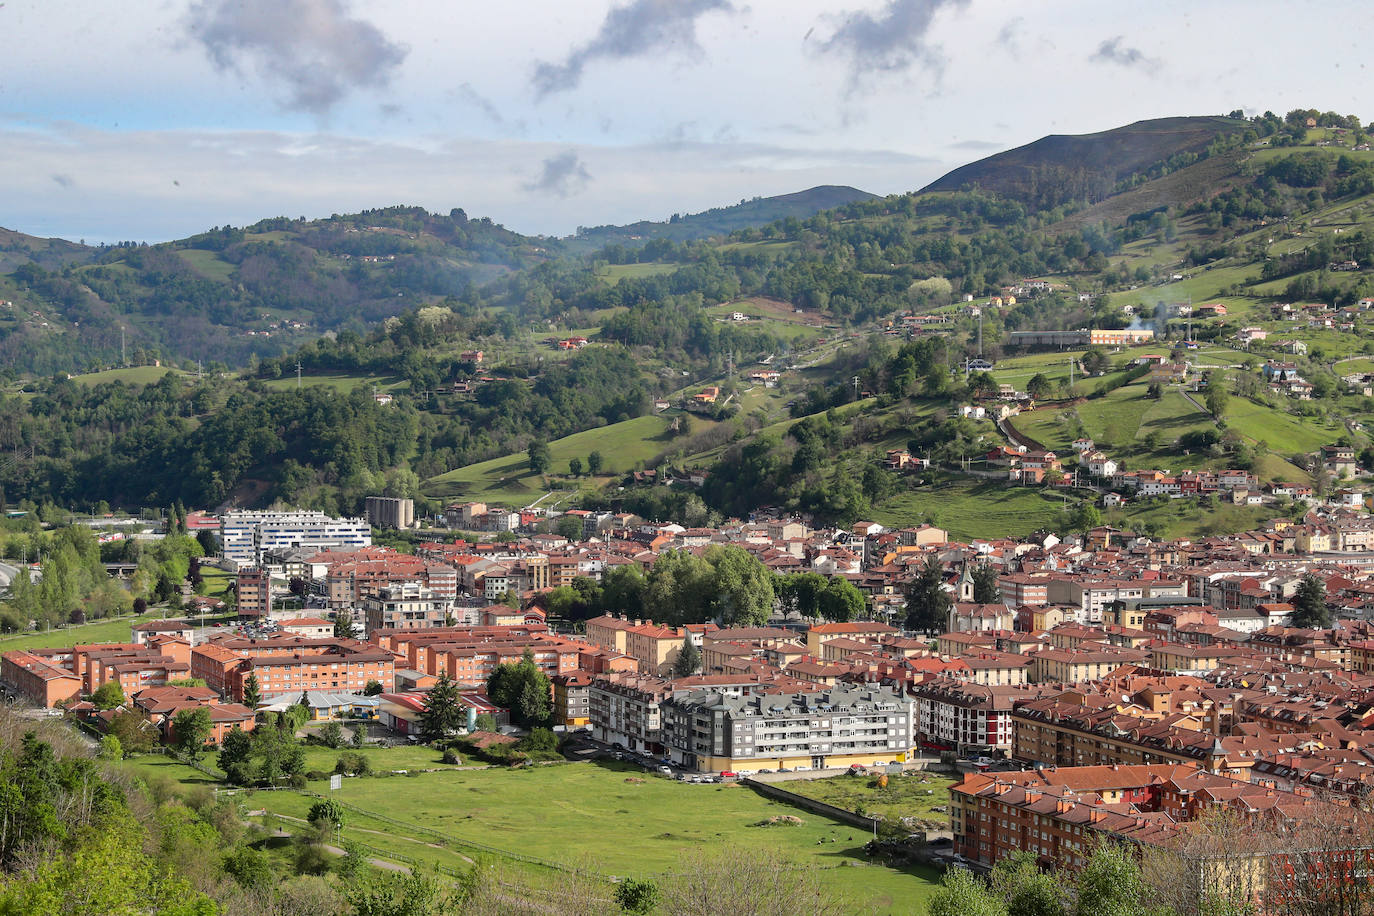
x,y
855,380
980,332
123,353
298,375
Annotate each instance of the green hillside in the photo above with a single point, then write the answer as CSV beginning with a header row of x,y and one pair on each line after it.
x,y
722,220
487,340
508,480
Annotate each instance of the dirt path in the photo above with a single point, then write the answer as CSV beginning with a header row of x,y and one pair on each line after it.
x,y
336,851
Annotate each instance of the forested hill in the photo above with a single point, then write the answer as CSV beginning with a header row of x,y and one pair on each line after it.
x,y
230,294
723,220
1059,168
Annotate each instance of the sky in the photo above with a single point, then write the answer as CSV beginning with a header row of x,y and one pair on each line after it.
x,y
157,119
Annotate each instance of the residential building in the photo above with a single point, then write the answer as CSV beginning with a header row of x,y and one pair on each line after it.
x,y
820,729
245,535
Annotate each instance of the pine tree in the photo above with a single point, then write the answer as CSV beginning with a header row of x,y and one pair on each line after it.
x,y
444,711
1309,604
927,602
343,626
986,588
252,692
688,659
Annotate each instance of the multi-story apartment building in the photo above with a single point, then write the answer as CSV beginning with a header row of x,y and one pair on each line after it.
x,y
38,679
954,714
285,665
405,606
245,535
572,699
816,729
253,592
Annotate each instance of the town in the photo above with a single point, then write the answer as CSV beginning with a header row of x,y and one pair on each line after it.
x,y
1098,686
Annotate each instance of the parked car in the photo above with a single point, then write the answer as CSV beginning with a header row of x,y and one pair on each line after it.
x,y
727,774
666,771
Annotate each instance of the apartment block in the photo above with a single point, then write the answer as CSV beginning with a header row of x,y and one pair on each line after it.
x,y
816,729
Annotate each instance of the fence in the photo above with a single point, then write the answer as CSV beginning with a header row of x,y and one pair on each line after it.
x,y
810,804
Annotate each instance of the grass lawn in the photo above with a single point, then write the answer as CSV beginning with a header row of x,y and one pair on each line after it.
x,y
911,794
343,383
612,818
508,480
969,508
116,629
158,767
135,375
216,582
318,757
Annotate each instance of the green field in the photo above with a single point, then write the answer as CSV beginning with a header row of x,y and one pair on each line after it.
x,y
344,383
508,480
135,375
614,273
115,629
1120,422
216,582
208,264
1185,518
1285,433
1116,422
155,768
909,795
612,818
319,757
969,508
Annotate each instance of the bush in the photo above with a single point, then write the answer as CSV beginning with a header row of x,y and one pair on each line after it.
x,y
451,757
311,859
332,735
314,775
540,739
355,764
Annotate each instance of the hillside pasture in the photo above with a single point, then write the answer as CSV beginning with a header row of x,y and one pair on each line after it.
x,y
134,375
614,273
508,481
208,264
340,382
972,508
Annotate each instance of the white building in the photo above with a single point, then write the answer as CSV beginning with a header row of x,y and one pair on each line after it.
x,y
244,536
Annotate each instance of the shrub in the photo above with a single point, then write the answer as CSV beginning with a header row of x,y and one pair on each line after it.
x,y
314,775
